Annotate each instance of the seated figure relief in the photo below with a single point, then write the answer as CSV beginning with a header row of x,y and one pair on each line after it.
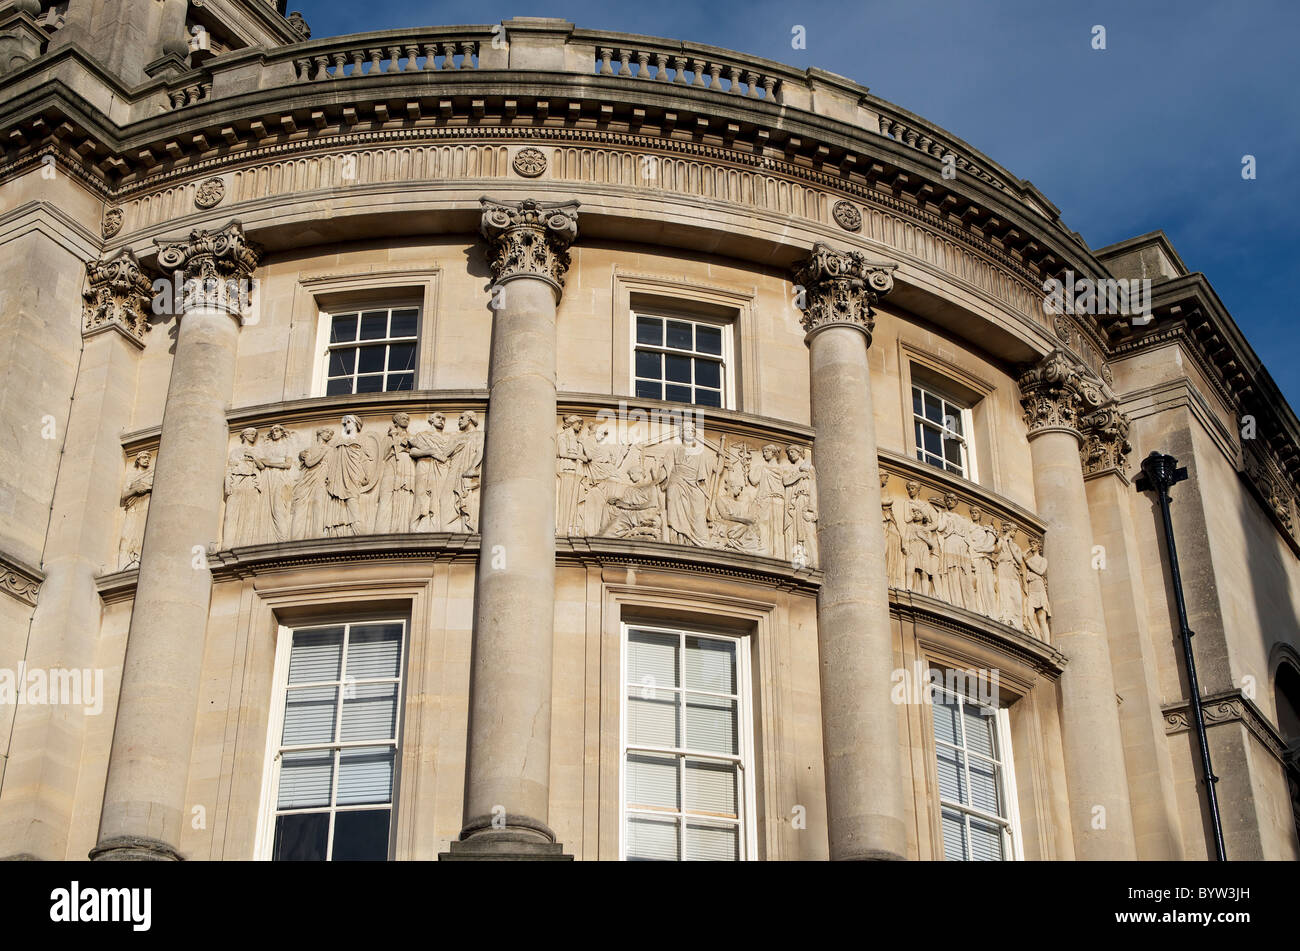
x,y
932,548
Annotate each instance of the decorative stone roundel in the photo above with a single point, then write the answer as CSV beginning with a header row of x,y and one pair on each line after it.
x,y
530,162
847,216
209,193
112,223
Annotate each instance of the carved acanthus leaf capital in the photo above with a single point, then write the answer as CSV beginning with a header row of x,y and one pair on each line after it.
x,y
529,238
117,296
1057,393
840,287
216,268
1105,440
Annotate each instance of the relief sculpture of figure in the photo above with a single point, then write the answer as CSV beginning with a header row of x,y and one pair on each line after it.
x,y
737,516
800,507
955,580
604,459
244,493
634,506
767,476
983,542
895,564
466,471
1011,568
307,505
277,485
135,501
570,457
347,473
919,518
1038,611
689,467
395,508
431,451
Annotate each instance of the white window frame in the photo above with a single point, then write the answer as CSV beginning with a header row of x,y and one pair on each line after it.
x,y
966,437
267,812
728,360
325,323
1012,840
745,728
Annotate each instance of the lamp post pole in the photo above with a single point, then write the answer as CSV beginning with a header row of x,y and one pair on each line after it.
x,y
1159,472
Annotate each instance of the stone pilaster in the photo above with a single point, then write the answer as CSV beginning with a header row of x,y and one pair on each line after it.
x,y
149,764
864,778
1062,402
508,773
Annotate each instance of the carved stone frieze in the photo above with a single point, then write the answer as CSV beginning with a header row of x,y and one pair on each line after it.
x,y
846,215
215,266
1228,707
1269,482
117,296
209,193
529,162
840,287
20,581
529,238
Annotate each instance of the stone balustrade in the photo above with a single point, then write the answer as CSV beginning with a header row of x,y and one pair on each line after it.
x,y
417,54
925,138
680,64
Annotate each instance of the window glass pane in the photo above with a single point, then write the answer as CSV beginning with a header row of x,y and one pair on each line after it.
x,y
343,362
401,356
952,451
370,384
916,401
371,359
711,724
933,444
677,369
651,839
711,787
985,841
649,391
369,711
404,323
374,650
653,717
401,381
365,775
954,418
305,779
679,335
933,411
708,373
315,655
952,778
984,786
979,729
710,843
339,387
361,836
374,325
945,721
343,329
649,364
708,398
678,394
954,836
652,655
711,664
301,838
708,339
652,780
650,330
309,714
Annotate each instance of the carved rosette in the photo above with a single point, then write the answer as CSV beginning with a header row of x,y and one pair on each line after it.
x,y
117,297
529,238
1057,393
840,288
1105,440
215,267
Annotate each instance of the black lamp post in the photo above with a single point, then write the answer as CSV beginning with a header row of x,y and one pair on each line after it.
x,y
1159,472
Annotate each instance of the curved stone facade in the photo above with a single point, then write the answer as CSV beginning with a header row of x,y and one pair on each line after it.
x,y
574,360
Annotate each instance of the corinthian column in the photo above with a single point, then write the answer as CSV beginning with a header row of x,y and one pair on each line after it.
x,y
144,799
864,779
508,787
1061,402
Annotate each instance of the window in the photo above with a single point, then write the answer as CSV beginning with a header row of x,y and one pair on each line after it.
x,y
976,784
332,778
681,360
686,746
941,427
372,351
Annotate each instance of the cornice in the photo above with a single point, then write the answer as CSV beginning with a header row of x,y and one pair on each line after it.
x,y
1231,706
52,221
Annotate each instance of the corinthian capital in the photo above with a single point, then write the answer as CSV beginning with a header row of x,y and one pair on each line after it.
x,y
840,287
117,297
529,238
215,268
1057,393
1105,440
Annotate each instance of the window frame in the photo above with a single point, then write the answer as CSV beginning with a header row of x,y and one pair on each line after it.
x,y
1013,839
727,360
747,804
268,811
966,438
324,329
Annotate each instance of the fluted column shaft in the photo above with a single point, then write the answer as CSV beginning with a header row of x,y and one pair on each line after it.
x,y
144,798
864,780
1057,396
508,773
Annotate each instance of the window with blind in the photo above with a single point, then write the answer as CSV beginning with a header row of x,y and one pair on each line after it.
x,y
976,782
333,775
682,360
942,429
686,746
372,350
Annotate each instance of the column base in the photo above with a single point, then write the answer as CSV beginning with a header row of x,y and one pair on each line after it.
x,y
517,839
134,848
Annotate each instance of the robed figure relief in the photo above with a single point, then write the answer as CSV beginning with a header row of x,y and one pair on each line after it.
x,y
395,486
768,478
243,491
435,502
1011,568
466,471
347,474
895,564
983,544
690,466
800,507
276,465
1038,610
135,503
919,518
954,580
570,464
308,501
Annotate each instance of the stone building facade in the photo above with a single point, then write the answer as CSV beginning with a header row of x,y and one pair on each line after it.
x,y
526,441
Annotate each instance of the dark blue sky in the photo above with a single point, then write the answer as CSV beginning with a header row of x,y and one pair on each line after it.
x,y
1147,134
